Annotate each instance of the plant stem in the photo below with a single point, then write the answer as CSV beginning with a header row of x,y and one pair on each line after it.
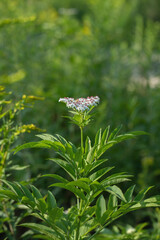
x,y
78,227
9,221
81,128
78,220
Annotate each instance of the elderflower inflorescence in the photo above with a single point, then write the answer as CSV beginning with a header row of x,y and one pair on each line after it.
x,y
80,104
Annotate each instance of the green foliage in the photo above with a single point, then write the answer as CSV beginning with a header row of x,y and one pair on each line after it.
x,y
10,130
80,48
88,181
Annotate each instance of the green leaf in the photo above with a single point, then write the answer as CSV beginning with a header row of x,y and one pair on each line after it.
x,y
100,173
106,216
73,189
41,205
36,192
66,166
104,148
87,145
97,189
129,193
26,192
114,133
116,191
100,207
51,201
91,155
8,194
41,144
70,150
47,231
61,179
78,158
105,136
142,194
17,168
130,135
116,178
81,183
14,188
39,236
90,211
27,202
55,214
138,133
112,202
46,136
95,166
149,202
96,186
98,139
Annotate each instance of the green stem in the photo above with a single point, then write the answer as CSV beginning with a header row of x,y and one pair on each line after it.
x,y
77,202
105,225
81,128
78,220
78,228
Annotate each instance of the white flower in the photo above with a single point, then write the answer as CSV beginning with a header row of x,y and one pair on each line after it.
x,y
80,104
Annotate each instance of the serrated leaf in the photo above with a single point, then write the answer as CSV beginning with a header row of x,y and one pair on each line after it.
x,y
46,136
42,206
95,166
26,192
91,155
98,139
73,189
100,207
81,184
47,231
55,214
129,193
14,188
104,148
138,133
26,201
142,194
66,166
36,192
17,167
105,136
8,194
144,204
108,213
90,211
97,189
78,158
112,202
40,144
61,179
116,178
100,173
87,145
116,191
114,133
130,135
51,201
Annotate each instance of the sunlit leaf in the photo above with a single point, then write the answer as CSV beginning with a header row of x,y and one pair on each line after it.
x,y
100,207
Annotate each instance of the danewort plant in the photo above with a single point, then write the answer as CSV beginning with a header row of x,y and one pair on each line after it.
x,y
90,179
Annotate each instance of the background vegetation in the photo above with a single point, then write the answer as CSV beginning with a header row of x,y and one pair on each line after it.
x,y
80,48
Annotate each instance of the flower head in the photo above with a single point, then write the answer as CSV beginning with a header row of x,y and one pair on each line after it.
x,y
80,104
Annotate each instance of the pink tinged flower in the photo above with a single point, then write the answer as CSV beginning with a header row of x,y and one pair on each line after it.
x,y
80,104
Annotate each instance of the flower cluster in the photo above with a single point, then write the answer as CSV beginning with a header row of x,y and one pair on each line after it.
x,y
80,104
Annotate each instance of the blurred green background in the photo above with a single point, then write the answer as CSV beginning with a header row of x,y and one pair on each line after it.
x,y
80,48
